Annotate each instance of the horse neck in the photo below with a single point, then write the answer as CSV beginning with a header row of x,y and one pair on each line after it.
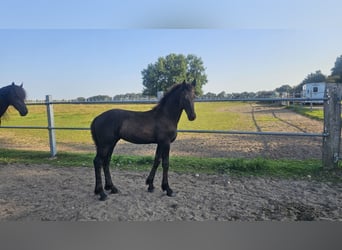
x,y
3,109
172,109
3,104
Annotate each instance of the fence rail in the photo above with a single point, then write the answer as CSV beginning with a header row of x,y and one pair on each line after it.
x,y
331,134
290,99
230,132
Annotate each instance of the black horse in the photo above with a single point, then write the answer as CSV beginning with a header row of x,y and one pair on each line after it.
x,y
158,125
13,95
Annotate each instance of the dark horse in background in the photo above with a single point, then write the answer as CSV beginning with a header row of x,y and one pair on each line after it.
x,y
13,95
158,125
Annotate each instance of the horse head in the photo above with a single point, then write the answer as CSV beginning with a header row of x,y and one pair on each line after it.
x,y
188,99
16,98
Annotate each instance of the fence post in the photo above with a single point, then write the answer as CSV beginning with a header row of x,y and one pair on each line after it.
x,y
332,125
51,125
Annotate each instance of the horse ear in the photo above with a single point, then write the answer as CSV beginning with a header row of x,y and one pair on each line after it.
x,y
194,83
183,84
13,83
21,85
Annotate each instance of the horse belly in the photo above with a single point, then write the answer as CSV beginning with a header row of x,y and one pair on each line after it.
x,y
137,134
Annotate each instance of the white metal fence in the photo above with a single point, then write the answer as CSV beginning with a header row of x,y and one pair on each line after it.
x,y
330,134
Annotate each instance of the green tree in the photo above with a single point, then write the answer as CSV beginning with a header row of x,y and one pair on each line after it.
x,y
315,77
174,68
311,78
336,71
99,98
196,71
284,88
80,99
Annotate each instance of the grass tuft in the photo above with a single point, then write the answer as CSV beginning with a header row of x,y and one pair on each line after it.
x,y
316,114
311,169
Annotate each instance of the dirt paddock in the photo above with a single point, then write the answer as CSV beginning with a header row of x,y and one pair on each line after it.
x,y
45,192
39,193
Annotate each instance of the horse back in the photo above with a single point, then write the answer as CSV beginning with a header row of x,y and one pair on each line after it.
x,y
132,126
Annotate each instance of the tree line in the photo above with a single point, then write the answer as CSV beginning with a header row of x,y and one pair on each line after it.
x,y
175,68
317,76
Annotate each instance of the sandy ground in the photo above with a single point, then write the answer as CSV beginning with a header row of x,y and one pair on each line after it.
x,y
44,192
39,193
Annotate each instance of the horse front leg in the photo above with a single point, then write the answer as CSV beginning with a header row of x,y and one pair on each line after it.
x,y
150,178
98,163
165,163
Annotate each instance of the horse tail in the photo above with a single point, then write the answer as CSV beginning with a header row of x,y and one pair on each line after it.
x,y
93,132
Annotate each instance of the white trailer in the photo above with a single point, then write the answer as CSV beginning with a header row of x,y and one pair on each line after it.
x,y
314,90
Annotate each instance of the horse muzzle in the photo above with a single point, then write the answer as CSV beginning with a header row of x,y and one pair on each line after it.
x,y
192,117
23,112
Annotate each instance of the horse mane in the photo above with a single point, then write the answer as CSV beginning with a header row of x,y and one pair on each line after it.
x,y
3,94
19,90
167,95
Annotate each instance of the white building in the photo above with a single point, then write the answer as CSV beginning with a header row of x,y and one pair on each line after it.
x,y
314,90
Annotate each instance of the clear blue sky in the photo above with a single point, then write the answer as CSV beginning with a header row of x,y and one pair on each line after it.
x,y
83,48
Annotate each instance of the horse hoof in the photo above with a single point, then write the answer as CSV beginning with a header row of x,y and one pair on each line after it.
x,y
170,193
114,190
103,197
150,190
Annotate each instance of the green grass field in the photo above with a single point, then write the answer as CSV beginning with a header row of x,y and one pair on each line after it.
x,y
81,115
210,116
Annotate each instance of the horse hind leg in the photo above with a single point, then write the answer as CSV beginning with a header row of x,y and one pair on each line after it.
x,y
98,163
108,179
102,159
